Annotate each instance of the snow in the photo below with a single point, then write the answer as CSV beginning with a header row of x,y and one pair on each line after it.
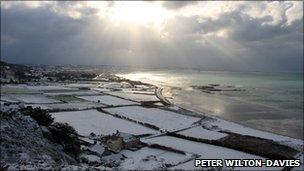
x,y
116,85
49,87
160,118
135,97
34,99
170,157
90,157
87,92
144,86
7,99
206,151
221,124
150,91
68,106
88,121
150,158
97,148
78,85
88,140
101,89
82,167
9,107
186,166
108,100
42,106
15,89
14,86
174,108
24,147
75,105
200,132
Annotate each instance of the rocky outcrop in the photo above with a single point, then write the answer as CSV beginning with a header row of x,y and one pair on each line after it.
x,y
23,145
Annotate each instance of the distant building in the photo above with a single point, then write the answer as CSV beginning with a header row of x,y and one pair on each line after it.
x,y
129,140
120,140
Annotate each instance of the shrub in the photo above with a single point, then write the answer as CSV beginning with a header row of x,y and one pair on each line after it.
x,y
41,116
66,135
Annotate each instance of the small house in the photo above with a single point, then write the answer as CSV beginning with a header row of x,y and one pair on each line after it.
x,y
129,140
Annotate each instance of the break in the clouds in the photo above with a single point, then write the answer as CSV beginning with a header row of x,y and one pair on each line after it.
x,y
216,35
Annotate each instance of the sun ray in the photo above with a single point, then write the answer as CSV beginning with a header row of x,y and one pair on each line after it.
x,y
138,13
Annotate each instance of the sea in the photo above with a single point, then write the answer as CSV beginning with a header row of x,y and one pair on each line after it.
x,y
268,101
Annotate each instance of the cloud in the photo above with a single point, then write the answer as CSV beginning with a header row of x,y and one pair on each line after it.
x,y
173,5
216,35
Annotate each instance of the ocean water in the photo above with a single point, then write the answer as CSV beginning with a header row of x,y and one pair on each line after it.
x,y
270,101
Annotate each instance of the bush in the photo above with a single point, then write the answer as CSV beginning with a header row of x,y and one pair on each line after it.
x,y
66,135
41,116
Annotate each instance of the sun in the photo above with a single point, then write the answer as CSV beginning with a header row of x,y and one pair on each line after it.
x,y
138,13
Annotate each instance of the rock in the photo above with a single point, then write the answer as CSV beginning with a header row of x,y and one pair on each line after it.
x,y
24,146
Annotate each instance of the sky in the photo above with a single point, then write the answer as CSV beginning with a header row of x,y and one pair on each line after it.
x,y
239,35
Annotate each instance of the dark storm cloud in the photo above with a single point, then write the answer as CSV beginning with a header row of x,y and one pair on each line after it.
x,y
36,34
264,46
173,5
40,36
233,41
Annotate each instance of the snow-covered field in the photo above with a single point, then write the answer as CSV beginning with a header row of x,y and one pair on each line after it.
x,y
49,87
78,85
88,121
200,132
186,166
68,106
135,97
108,100
206,151
150,158
34,99
77,93
160,118
220,124
8,99
16,89
139,91
115,85
101,89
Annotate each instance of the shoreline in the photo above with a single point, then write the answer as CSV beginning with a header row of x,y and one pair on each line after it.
x,y
243,118
209,114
